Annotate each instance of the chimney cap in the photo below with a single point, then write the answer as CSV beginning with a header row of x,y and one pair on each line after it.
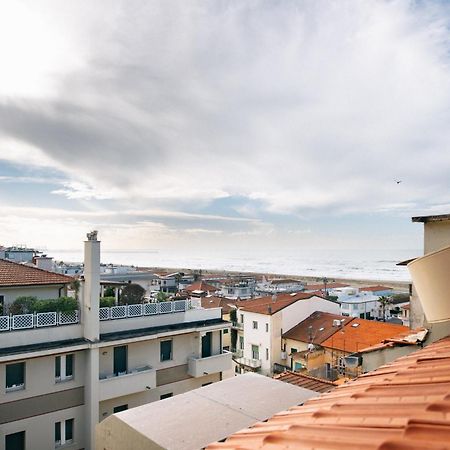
x,y
92,236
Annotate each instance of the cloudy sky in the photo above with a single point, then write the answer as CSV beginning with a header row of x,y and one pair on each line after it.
x,y
223,124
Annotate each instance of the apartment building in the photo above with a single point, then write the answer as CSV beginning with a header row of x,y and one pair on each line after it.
x,y
62,373
260,325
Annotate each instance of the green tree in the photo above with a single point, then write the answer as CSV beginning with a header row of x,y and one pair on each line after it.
x,y
131,294
75,286
109,292
384,301
162,297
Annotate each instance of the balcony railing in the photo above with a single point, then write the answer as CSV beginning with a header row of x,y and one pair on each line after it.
x,y
237,325
146,309
38,320
198,367
130,382
249,362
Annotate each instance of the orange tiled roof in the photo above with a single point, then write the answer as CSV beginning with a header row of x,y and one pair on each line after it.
x,y
14,274
376,288
201,286
271,304
359,334
306,381
316,328
402,405
215,302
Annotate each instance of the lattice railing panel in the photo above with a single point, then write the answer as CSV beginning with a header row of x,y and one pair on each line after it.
x,y
47,319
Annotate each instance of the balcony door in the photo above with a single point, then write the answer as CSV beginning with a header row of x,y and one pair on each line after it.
x,y
120,360
207,344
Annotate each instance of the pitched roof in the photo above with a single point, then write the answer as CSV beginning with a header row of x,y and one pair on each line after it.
x,y
376,288
402,405
14,274
306,381
218,302
201,286
316,328
271,304
320,287
359,334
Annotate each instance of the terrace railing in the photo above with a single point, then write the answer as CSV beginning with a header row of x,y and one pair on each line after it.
x,y
145,309
38,320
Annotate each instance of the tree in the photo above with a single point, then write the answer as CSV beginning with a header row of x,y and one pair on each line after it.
x,y
384,301
109,292
75,286
162,297
131,294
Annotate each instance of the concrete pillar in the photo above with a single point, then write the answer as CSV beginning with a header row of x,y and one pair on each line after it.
x,y
91,392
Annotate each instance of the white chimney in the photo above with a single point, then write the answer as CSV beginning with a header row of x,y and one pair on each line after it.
x,y
91,287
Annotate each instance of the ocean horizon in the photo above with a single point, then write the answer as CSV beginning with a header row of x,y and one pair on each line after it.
x,y
353,264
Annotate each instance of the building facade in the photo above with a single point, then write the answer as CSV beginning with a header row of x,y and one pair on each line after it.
x,y
61,378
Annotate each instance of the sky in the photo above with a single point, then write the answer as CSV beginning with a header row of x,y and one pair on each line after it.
x,y
223,124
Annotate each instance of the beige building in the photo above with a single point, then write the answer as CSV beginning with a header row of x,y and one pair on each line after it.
x,y
436,235
64,373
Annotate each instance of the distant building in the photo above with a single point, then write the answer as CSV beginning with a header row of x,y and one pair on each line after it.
x,y
18,254
279,285
238,289
261,323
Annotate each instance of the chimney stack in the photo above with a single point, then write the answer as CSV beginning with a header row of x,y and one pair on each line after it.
x,y
91,287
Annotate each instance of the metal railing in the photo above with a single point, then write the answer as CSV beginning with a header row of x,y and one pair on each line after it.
x,y
146,309
238,325
38,320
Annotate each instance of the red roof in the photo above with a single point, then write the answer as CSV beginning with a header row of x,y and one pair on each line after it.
x,y
402,405
359,334
273,303
201,286
306,381
376,288
14,274
218,302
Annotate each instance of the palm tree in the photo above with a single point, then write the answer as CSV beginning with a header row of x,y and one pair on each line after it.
x,y
384,301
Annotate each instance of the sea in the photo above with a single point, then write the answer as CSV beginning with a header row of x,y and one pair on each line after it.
x,y
377,265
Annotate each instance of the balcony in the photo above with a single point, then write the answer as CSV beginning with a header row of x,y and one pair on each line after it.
x,y
237,325
249,362
198,367
132,382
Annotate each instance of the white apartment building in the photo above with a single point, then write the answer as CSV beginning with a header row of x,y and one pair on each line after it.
x,y
357,303
279,285
61,374
261,323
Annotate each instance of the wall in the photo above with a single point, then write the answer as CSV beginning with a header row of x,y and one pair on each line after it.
x,y
44,292
40,430
436,236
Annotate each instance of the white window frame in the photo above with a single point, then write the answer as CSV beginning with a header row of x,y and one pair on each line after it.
x,y
62,432
63,367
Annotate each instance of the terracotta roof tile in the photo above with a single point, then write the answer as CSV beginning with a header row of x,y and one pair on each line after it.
x,y
316,328
306,381
376,288
359,334
14,274
271,304
218,302
402,405
201,286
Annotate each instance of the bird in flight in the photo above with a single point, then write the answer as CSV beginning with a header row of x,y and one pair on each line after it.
x,y
398,181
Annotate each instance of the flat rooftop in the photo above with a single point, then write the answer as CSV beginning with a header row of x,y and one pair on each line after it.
x,y
437,218
202,416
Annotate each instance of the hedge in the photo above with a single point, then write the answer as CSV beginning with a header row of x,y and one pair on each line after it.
x,y
30,304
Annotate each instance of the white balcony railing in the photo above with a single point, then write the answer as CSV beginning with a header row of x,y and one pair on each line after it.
x,y
198,367
146,309
249,362
38,320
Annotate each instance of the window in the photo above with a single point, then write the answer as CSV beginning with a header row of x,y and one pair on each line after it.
x,y
63,432
64,367
267,354
225,331
241,342
255,325
15,441
255,352
2,301
168,395
242,318
15,376
297,366
117,409
166,350
120,360
293,350
267,327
